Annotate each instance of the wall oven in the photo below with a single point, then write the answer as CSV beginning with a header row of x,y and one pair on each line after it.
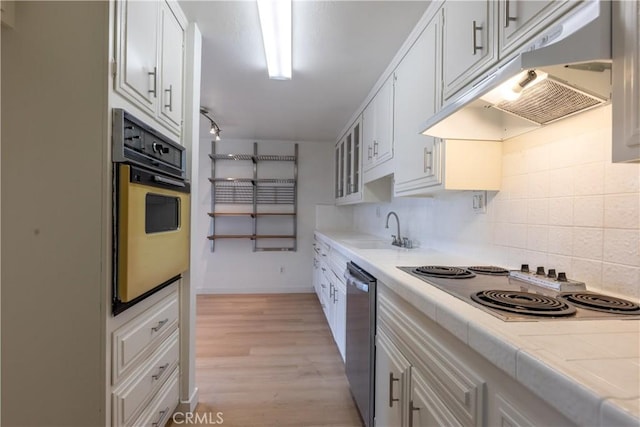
x,y
150,211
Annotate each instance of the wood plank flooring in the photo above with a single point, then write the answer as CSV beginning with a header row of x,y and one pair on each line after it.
x,y
269,360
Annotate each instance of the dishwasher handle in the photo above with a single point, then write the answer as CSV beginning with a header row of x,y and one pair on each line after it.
x,y
352,281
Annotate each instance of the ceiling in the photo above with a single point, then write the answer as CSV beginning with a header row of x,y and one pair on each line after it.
x,y
340,49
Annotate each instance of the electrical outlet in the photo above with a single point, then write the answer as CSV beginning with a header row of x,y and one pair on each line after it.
x,y
480,202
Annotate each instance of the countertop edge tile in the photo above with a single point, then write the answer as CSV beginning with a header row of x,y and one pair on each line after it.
x,y
617,412
570,398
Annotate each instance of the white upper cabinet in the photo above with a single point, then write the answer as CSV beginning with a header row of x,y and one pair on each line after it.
x,y
417,95
626,75
137,59
349,185
172,65
377,122
469,42
150,59
519,20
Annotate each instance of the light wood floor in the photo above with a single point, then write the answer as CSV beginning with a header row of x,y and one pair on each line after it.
x,y
270,360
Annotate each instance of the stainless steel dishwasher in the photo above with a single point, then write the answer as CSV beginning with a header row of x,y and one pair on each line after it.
x,y
360,340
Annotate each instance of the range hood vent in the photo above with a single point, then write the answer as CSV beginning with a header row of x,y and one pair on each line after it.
x,y
564,72
549,101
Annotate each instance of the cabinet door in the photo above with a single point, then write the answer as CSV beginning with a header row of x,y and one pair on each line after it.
x,y
425,408
337,165
392,377
340,299
353,159
417,97
357,157
172,62
316,276
469,41
383,141
519,20
626,75
340,155
137,53
368,134
348,164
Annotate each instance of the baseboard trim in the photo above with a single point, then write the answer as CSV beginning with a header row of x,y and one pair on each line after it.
x,y
255,290
189,405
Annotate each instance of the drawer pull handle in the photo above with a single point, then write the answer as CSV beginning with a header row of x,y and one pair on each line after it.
x,y
391,381
170,104
476,28
154,73
160,371
160,417
159,325
507,16
411,409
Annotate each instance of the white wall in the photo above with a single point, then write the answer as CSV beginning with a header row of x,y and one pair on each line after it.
x,y
563,205
233,267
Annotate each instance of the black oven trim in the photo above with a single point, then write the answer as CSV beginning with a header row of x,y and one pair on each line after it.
x,y
118,306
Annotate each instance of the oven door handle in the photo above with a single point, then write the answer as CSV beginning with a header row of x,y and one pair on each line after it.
x,y
163,180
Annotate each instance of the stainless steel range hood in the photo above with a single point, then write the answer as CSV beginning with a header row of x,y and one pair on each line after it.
x,y
566,71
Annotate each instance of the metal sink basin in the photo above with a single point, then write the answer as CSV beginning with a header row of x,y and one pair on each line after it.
x,y
370,244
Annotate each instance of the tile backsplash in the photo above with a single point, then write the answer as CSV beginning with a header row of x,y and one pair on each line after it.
x,y
563,204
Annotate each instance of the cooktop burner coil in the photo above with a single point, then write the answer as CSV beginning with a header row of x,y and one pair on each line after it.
x,y
489,270
443,272
599,302
523,303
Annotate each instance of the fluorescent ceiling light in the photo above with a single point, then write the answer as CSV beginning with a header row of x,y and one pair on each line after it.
x,y
275,21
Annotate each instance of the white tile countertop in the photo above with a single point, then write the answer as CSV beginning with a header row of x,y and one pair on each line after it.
x,y
588,370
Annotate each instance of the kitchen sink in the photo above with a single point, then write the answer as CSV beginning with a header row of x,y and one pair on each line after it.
x,y
371,244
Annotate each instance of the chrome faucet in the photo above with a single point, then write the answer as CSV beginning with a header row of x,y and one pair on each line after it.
x,y
397,240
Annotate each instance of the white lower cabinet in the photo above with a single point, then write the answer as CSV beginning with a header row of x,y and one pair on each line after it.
x,y
392,375
329,266
161,408
427,377
145,358
129,397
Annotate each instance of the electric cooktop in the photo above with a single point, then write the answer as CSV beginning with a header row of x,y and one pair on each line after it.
x,y
523,295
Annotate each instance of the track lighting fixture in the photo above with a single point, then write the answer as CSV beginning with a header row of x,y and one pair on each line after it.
x,y
215,129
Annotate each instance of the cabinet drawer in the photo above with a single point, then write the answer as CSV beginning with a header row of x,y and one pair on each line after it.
x,y
141,335
130,397
162,406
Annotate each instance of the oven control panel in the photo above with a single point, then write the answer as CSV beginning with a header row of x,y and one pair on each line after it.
x,y
547,279
138,143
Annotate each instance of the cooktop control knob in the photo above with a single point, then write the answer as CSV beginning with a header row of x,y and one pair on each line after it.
x,y
540,271
552,273
562,277
524,268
